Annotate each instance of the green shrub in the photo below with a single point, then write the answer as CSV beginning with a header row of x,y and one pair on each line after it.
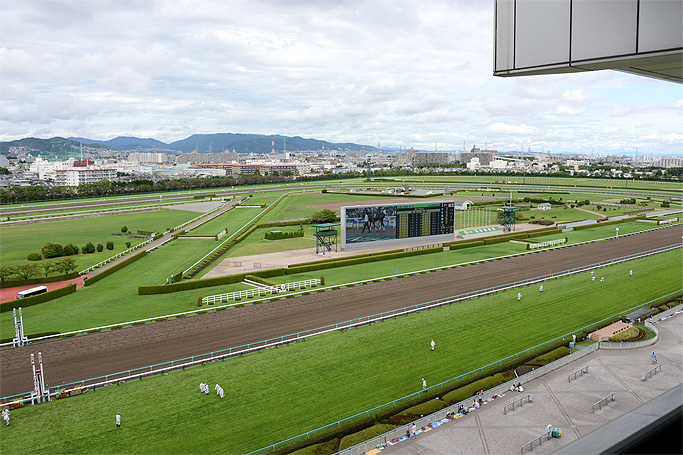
x,y
465,244
127,245
52,250
89,248
417,411
110,245
663,307
68,250
549,357
34,257
363,435
471,389
100,247
323,448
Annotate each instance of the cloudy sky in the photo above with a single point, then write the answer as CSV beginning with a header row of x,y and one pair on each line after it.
x,y
399,73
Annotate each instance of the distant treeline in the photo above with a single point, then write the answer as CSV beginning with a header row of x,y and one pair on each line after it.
x,y
106,188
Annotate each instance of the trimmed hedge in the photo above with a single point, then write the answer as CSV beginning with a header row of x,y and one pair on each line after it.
x,y
362,260
37,299
417,411
51,279
549,357
261,280
465,244
109,271
604,223
284,223
206,282
470,390
283,235
363,435
327,448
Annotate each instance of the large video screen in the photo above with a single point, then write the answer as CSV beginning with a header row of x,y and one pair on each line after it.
x,y
386,222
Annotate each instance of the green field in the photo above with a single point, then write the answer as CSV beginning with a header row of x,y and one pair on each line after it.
x,y
16,242
233,220
623,184
115,299
280,393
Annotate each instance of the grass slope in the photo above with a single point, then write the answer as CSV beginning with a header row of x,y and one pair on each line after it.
x,y
280,393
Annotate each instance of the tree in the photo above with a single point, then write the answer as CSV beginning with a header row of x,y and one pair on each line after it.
x,y
110,245
324,216
127,244
26,271
48,268
52,250
89,248
4,171
68,250
124,229
100,247
7,271
66,265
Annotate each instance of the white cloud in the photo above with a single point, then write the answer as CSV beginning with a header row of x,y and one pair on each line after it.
x,y
406,73
514,130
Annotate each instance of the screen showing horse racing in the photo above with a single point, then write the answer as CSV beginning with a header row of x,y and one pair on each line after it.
x,y
386,222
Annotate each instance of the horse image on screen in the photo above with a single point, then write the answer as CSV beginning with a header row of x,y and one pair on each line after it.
x,y
368,224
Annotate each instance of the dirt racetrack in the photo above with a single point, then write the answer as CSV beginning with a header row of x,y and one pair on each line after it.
x,y
95,355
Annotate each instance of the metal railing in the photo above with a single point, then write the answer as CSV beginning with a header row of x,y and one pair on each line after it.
x,y
611,397
547,435
649,372
582,370
518,400
247,293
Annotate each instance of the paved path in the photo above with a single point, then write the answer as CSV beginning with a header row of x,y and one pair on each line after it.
x,y
563,404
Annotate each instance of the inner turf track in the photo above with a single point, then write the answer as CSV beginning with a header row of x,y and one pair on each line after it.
x,y
93,355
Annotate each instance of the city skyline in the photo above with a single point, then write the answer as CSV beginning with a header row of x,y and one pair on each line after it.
x,y
395,73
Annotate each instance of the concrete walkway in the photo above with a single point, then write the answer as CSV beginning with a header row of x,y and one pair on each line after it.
x,y
558,402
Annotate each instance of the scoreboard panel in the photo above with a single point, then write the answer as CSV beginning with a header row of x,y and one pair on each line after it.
x,y
386,222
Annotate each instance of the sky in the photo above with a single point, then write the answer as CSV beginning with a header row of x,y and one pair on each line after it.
x,y
396,73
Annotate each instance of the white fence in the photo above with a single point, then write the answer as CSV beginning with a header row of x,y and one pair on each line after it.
x,y
248,293
533,246
121,254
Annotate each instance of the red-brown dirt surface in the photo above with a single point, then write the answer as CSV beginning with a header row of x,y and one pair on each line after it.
x,y
95,355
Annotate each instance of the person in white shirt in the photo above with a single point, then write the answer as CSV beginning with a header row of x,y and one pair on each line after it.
x,y
519,296
424,384
118,419
433,344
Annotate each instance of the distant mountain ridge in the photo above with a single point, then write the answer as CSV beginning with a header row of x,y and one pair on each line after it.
x,y
240,143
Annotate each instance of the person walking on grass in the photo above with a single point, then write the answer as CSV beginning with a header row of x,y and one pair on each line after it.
x,y
519,296
424,384
118,419
432,345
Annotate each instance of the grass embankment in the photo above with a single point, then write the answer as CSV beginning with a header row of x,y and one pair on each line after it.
x,y
280,393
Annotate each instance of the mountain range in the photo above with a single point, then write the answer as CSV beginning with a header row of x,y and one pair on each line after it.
x,y
240,143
